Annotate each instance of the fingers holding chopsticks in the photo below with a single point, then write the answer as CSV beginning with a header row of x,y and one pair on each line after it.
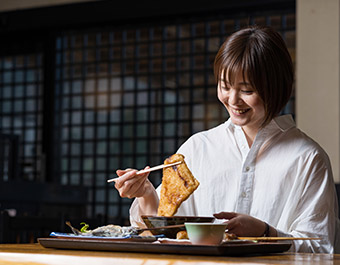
x,y
130,184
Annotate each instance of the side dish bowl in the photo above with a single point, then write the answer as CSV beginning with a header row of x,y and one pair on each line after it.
x,y
206,233
152,221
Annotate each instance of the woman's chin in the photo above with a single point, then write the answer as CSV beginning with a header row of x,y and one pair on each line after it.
x,y
237,121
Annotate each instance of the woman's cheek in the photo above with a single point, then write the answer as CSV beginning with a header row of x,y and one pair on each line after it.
x,y
221,96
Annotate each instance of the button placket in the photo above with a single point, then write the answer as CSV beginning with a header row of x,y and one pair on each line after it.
x,y
242,143
247,177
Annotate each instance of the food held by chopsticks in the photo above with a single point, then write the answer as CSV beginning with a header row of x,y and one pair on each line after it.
x,y
178,184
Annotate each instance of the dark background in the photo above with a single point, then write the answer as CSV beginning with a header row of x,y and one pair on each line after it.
x,y
88,88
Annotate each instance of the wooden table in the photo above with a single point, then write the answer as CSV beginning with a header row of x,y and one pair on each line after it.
x,y
35,254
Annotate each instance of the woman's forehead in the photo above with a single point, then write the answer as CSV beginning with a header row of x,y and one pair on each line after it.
x,y
234,77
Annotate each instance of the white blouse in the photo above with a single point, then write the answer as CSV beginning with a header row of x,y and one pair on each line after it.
x,y
284,179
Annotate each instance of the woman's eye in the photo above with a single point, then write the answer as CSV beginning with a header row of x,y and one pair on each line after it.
x,y
248,92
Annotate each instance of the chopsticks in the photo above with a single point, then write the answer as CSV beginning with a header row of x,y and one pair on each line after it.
x,y
152,169
277,238
158,167
160,227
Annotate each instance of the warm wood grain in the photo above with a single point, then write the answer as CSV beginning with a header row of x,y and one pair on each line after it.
x,y
33,254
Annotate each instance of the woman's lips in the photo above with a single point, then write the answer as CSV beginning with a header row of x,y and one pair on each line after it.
x,y
239,111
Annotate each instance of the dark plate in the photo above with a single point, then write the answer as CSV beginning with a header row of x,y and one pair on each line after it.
x,y
152,221
244,249
135,238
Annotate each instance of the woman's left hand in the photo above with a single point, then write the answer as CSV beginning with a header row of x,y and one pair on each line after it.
x,y
242,224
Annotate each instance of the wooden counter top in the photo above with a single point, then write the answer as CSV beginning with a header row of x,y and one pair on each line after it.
x,y
35,254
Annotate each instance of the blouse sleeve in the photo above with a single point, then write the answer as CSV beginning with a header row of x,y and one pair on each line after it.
x,y
135,216
317,208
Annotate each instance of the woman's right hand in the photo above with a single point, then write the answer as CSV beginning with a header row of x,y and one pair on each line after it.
x,y
131,185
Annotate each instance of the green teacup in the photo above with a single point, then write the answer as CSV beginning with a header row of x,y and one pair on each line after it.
x,y
205,233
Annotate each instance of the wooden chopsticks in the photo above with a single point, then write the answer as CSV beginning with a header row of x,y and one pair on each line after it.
x,y
160,227
158,167
277,238
151,169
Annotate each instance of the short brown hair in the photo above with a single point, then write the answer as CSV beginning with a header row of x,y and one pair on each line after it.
x,y
262,56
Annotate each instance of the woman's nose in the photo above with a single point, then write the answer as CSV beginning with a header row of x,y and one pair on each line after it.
x,y
234,97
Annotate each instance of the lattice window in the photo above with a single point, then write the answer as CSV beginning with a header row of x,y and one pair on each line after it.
x,y
21,109
131,97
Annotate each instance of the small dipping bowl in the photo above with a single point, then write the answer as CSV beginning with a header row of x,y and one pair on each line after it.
x,y
205,233
152,221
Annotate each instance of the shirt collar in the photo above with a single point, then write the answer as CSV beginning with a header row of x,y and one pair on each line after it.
x,y
283,122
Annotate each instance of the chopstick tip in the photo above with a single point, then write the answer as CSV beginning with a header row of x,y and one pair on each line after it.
x,y
112,180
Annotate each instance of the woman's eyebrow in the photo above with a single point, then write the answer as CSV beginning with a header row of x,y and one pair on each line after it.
x,y
239,84
244,84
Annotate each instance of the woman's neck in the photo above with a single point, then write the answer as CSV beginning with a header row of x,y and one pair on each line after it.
x,y
250,134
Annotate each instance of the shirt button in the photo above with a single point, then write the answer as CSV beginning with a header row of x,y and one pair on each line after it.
x,y
243,194
247,168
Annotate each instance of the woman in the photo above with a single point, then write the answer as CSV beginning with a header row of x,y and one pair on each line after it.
x,y
257,170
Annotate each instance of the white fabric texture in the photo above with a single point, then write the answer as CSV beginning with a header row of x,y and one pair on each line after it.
x,y
284,179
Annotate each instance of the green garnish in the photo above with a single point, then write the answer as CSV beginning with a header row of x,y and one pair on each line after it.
x,y
84,228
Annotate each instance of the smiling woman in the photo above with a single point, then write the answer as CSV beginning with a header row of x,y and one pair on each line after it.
x,y
91,92
252,61
252,85
273,180
244,105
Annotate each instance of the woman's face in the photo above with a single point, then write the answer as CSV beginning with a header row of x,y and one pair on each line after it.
x,y
245,107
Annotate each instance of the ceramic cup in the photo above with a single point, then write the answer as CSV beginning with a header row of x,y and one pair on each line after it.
x,y
205,233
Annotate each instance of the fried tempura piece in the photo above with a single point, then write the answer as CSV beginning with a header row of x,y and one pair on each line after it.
x,y
178,184
228,236
182,235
